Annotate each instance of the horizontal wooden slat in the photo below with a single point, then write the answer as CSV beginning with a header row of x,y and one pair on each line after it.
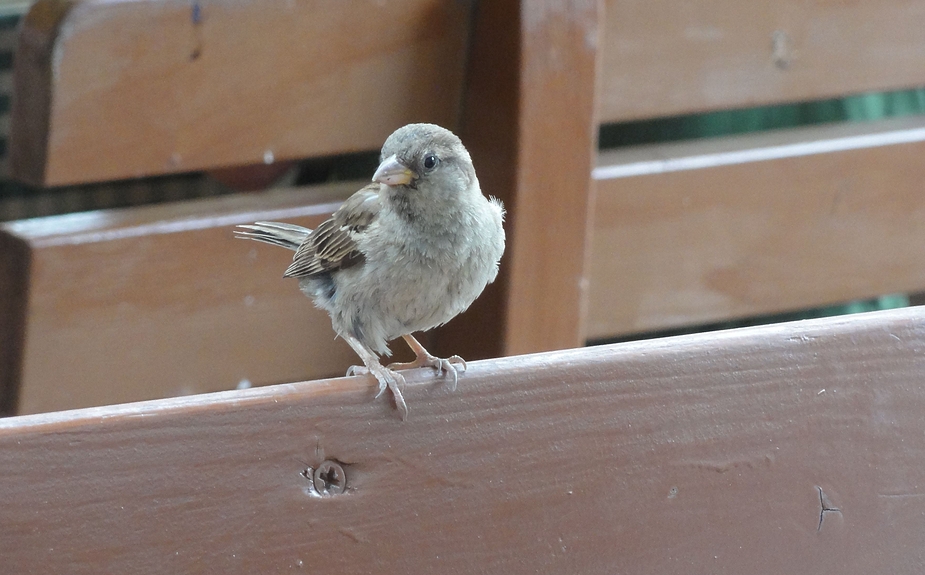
x,y
782,449
108,90
717,229
153,302
662,58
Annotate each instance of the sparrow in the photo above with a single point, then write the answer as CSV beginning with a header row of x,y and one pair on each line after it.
x,y
404,254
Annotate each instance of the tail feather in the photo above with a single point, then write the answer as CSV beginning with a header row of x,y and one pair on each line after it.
x,y
288,236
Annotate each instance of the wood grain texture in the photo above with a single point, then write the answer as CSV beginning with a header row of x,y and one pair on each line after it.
x,y
708,231
531,131
125,89
781,449
154,302
662,58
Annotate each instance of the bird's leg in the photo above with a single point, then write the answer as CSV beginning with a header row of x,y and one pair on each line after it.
x,y
385,376
423,358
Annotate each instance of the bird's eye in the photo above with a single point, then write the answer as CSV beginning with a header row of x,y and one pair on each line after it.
x,y
430,162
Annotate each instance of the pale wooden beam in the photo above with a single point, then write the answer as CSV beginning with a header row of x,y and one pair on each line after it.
x,y
149,302
111,90
710,230
662,58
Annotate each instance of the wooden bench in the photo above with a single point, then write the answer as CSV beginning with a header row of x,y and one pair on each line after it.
x,y
781,449
679,234
703,231
790,448
593,241
711,230
208,103
159,301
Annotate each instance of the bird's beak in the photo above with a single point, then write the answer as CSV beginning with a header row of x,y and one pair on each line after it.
x,y
391,172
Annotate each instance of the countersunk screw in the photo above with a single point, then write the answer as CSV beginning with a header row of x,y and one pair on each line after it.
x,y
329,478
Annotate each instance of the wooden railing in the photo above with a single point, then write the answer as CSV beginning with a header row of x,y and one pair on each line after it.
x,y
791,448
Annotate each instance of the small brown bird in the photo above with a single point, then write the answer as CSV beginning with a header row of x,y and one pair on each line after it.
x,y
406,253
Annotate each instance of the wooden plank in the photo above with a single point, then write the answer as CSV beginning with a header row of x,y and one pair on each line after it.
x,y
529,125
716,229
662,58
183,86
158,301
709,453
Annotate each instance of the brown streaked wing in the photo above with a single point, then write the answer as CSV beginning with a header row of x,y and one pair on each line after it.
x,y
331,246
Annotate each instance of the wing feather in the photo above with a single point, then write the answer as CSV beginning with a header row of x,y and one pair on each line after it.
x,y
332,245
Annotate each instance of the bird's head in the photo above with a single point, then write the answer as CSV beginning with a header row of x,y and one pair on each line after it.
x,y
427,159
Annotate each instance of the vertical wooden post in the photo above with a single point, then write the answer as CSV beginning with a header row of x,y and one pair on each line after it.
x,y
32,80
529,123
14,273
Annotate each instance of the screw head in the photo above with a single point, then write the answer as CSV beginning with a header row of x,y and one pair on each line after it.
x,y
329,478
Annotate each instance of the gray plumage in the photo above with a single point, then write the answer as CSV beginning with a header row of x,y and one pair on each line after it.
x,y
406,253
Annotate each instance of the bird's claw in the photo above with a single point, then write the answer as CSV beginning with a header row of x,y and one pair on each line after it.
x,y
390,379
358,370
387,379
393,381
453,364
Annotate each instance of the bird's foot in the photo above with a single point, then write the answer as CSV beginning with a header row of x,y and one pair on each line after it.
x,y
393,381
453,364
357,370
387,379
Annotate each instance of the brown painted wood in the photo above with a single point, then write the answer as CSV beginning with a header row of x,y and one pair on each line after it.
x,y
159,301
700,244
32,77
791,448
109,90
556,142
529,124
14,269
661,58
489,129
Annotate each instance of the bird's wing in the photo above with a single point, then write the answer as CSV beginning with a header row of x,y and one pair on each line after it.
x,y
332,245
